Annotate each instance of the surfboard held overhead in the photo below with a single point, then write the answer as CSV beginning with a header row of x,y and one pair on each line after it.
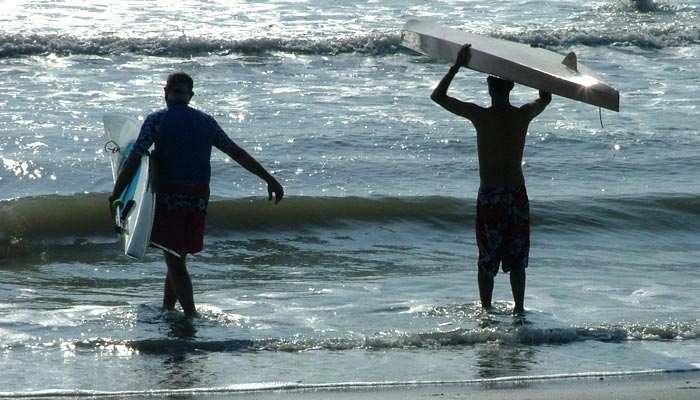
x,y
530,66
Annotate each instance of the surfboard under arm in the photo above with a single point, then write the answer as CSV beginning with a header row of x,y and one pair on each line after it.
x,y
137,209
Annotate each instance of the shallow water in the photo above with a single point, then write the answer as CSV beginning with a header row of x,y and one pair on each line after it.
x,y
366,271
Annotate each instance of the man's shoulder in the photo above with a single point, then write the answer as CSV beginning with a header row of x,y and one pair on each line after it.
x,y
201,115
517,112
155,115
187,112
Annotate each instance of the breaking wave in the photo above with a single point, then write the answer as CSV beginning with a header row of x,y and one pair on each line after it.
x,y
82,216
376,43
650,38
184,46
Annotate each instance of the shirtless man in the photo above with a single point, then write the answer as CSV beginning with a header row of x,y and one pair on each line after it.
x,y
502,210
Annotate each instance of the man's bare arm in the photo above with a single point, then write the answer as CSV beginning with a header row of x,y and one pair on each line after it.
x,y
126,174
536,107
439,95
252,165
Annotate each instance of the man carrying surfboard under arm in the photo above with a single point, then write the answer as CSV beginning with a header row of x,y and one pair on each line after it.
x,y
502,210
183,138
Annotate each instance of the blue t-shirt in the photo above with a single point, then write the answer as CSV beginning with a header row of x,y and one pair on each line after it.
x,y
183,140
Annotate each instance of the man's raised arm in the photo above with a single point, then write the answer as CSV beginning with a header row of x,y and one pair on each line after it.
x,y
534,108
439,95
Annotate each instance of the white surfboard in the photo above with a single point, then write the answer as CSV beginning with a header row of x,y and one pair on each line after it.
x,y
530,66
136,208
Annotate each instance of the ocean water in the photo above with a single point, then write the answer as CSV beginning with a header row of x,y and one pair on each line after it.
x,y
366,271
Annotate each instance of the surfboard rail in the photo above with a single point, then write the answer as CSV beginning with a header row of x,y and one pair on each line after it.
x,y
530,66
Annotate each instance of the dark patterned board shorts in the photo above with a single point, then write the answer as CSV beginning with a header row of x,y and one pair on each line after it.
x,y
180,218
503,228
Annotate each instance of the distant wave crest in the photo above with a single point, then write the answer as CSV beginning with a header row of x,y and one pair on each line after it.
x,y
376,43
184,46
650,38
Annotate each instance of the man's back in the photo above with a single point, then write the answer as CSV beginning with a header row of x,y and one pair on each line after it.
x,y
501,128
183,138
501,136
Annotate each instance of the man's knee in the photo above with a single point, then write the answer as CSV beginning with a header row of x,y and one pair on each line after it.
x,y
175,263
517,276
517,271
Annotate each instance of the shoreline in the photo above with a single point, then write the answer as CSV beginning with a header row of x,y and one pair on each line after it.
x,y
652,384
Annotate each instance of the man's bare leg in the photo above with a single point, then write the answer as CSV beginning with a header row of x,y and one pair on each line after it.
x,y
485,288
169,295
517,285
181,283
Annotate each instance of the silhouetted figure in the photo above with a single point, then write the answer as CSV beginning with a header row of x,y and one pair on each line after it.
x,y
503,213
183,138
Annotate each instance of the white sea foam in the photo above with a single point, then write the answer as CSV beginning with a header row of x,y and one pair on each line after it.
x,y
512,334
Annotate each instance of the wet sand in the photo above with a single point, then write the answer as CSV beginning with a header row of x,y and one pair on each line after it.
x,y
666,385
671,386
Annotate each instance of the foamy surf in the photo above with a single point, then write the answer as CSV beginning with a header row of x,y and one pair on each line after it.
x,y
196,336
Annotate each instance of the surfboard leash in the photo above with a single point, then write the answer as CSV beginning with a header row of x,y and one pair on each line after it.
x,y
600,116
112,147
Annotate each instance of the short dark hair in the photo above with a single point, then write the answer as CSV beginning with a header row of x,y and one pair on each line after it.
x,y
500,85
178,78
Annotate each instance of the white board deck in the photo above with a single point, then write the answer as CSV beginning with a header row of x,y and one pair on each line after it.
x,y
137,224
530,66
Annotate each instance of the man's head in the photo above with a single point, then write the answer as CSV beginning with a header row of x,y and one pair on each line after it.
x,y
178,89
499,88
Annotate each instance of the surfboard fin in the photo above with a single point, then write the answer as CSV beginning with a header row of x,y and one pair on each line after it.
x,y
570,61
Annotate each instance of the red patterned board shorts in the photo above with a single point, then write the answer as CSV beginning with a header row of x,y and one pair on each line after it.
x,y
503,228
180,218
